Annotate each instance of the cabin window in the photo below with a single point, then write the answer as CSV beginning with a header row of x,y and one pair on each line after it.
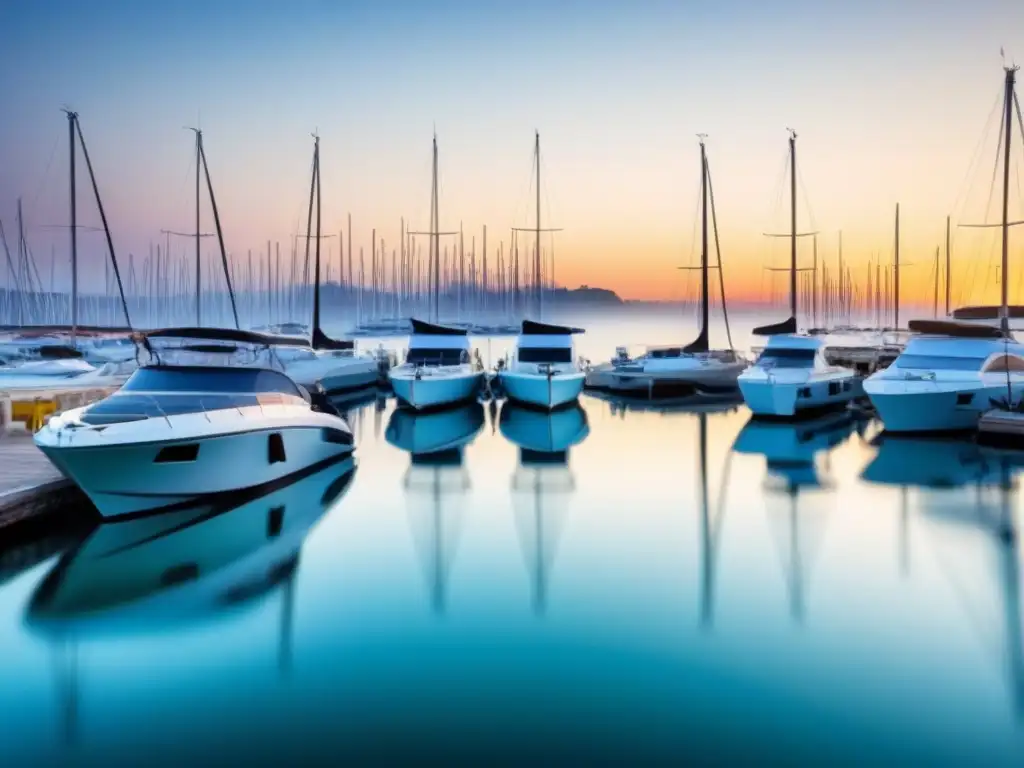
x,y
657,354
545,355
786,358
436,356
336,436
834,387
275,522
804,392
1005,363
199,378
847,386
964,398
939,362
174,454
179,574
275,448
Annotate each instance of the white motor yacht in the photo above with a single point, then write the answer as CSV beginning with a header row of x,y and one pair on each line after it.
x,y
208,412
543,371
947,377
792,377
437,371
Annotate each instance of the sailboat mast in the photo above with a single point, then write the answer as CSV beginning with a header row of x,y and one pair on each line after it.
x,y
1011,73
935,307
435,237
792,223
536,256
947,265
896,274
703,240
74,229
316,262
199,316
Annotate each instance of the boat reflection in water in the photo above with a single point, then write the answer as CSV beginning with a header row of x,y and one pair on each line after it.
x,y
791,451
542,483
436,483
966,495
176,569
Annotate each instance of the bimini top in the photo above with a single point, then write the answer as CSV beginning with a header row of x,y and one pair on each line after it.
x,y
1015,312
532,328
419,327
953,328
225,334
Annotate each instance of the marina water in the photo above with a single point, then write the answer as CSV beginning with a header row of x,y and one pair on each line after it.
x,y
676,585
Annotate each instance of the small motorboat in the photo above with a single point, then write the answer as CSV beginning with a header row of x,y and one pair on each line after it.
x,y
437,371
543,371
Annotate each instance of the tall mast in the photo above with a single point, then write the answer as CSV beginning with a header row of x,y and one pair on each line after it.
x,y
435,237
896,274
1011,73
74,228
935,307
316,261
947,265
703,242
199,315
792,223
536,256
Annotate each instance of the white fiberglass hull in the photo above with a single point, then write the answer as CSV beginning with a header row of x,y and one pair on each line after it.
x,y
776,394
713,379
930,406
124,468
542,390
435,387
334,374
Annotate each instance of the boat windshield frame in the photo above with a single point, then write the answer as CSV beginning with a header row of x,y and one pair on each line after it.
x,y
787,358
210,380
959,363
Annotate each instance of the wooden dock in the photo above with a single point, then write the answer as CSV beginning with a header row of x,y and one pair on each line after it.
x,y
31,488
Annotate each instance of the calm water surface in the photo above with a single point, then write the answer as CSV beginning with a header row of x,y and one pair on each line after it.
x,y
614,583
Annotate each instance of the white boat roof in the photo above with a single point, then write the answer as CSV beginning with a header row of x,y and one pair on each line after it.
x,y
794,341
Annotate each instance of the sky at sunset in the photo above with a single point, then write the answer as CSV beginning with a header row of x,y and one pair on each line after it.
x,y
890,100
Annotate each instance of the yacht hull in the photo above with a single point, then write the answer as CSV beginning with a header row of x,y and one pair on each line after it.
x,y
768,396
926,407
701,381
350,378
434,388
541,390
126,479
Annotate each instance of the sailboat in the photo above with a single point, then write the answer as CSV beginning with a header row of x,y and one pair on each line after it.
x,y
438,370
329,363
543,371
955,370
670,371
65,351
792,375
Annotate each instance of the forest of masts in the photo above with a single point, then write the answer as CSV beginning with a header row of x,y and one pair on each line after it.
x,y
274,285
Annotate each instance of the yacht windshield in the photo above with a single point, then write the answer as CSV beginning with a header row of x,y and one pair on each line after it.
x,y
940,362
427,356
786,358
201,379
545,355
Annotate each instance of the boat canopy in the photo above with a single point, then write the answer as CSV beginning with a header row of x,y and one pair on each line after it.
x,y
1014,312
225,334
954,328
533,328
420,327
786,326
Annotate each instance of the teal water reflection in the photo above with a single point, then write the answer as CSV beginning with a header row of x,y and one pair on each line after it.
x,y
614,582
